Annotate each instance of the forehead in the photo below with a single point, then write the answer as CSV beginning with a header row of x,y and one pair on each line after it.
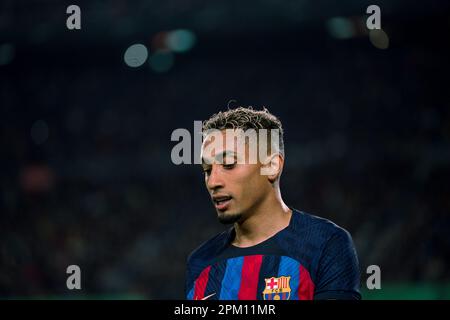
x,y
224,140
220,145
211,137
214,143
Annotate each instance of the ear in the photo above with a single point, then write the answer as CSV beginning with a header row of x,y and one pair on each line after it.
x,y
272,167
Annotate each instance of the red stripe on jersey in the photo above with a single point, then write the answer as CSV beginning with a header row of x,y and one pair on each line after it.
x,y
249,277
200,284
306,287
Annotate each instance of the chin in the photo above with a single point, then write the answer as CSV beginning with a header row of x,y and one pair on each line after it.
x,y
228,218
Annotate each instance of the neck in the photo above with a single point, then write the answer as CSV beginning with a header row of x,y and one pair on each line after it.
x,y
263,222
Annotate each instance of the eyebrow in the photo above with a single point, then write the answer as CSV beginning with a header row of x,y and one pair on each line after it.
x,y
221,155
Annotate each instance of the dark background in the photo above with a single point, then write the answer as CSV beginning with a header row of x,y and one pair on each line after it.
x,y
86,173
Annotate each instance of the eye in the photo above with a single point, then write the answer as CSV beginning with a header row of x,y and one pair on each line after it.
x,y
206,171
229,166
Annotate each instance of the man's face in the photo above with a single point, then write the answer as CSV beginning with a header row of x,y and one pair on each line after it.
x,y
235,188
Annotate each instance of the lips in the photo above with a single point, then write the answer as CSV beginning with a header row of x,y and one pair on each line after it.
x,y
221,202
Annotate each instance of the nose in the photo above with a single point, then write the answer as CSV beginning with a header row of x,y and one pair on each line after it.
x,y
214,180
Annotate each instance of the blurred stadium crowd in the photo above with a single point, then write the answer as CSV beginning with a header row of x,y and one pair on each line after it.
x,y
87,177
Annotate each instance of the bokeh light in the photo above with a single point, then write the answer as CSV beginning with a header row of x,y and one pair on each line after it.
x,y
340,28
6,53
136,55
379,38
181,40
161,61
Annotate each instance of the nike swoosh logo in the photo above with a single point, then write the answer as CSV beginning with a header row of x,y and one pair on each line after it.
x,y
207,297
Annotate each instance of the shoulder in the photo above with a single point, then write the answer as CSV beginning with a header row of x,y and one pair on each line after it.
x,y
331,257
316,228
210,249
309,235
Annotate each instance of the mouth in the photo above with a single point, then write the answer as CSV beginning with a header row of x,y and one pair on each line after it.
x,y
221,202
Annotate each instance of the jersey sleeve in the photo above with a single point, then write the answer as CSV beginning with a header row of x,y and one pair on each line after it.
x,y
338,275
189,282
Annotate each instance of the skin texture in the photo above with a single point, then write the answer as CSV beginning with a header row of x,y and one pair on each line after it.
x,y
255,207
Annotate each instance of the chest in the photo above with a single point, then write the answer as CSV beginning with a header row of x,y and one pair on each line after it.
x,y
254,277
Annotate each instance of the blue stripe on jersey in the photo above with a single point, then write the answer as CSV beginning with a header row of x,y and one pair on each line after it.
x,y
216,274
190,295
232,279
269,268
290,267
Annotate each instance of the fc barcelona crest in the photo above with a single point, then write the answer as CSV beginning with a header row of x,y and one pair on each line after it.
x,y
277,288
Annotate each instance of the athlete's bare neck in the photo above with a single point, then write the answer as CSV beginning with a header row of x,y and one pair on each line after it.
x,y
270,217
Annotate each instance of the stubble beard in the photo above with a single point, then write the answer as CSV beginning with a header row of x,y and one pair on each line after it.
x,y
228,218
